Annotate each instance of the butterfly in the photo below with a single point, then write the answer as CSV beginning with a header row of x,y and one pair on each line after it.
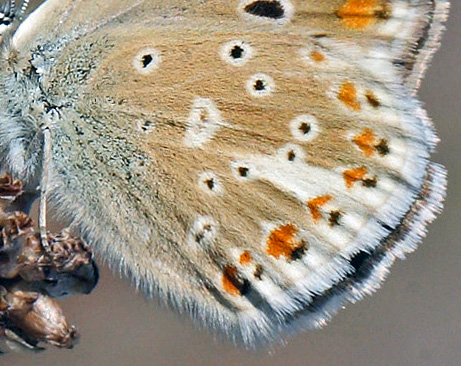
x,y
257,164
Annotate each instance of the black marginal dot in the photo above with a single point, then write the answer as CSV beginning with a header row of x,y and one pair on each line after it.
x,y
372,100
246,287
298,252
259,85
334,218
291,155
370,182
266,9
146,60
210,183
236,52
241,284
387,227
359,260
383,147
243,171
258,271
305,128
383,14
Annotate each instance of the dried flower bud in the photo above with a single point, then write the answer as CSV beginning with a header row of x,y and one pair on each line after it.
x,y
31,275
32,262
36,318
14,229
67,252
64,268
14,225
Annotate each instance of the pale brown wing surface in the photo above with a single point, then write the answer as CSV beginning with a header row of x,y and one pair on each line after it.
x,y
249,161
411,27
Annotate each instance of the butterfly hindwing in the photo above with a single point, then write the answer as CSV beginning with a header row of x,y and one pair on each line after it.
x,y
246,160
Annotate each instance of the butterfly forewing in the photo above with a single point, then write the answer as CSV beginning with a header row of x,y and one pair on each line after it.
x,y
239,158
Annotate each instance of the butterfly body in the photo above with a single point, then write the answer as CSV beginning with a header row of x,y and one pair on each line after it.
x,y
257,163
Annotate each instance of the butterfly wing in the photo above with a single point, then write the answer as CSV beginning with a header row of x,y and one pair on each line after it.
x,y
256,163
411,28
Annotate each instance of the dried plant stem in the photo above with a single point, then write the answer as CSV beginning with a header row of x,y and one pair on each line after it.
x,y
44,186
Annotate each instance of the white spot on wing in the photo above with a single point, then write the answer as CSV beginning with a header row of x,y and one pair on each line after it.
x,y
402,21
210,183
291,153
147,60
260,85
237,52
304,127
202,233
242,170
203,122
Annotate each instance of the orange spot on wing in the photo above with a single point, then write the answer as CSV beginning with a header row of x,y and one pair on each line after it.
x,y
245,258
317,56
354,175
366,142
282,241
316,203
348,95
359,14
230,280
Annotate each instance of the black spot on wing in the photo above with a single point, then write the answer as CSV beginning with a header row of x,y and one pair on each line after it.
x,y
266,9
236,52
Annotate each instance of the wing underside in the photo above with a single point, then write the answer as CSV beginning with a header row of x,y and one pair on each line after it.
x,y
255,166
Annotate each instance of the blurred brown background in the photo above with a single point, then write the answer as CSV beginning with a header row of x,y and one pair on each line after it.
x,y
414,320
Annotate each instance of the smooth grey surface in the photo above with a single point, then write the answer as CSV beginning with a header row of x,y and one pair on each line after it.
x,y
414,320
